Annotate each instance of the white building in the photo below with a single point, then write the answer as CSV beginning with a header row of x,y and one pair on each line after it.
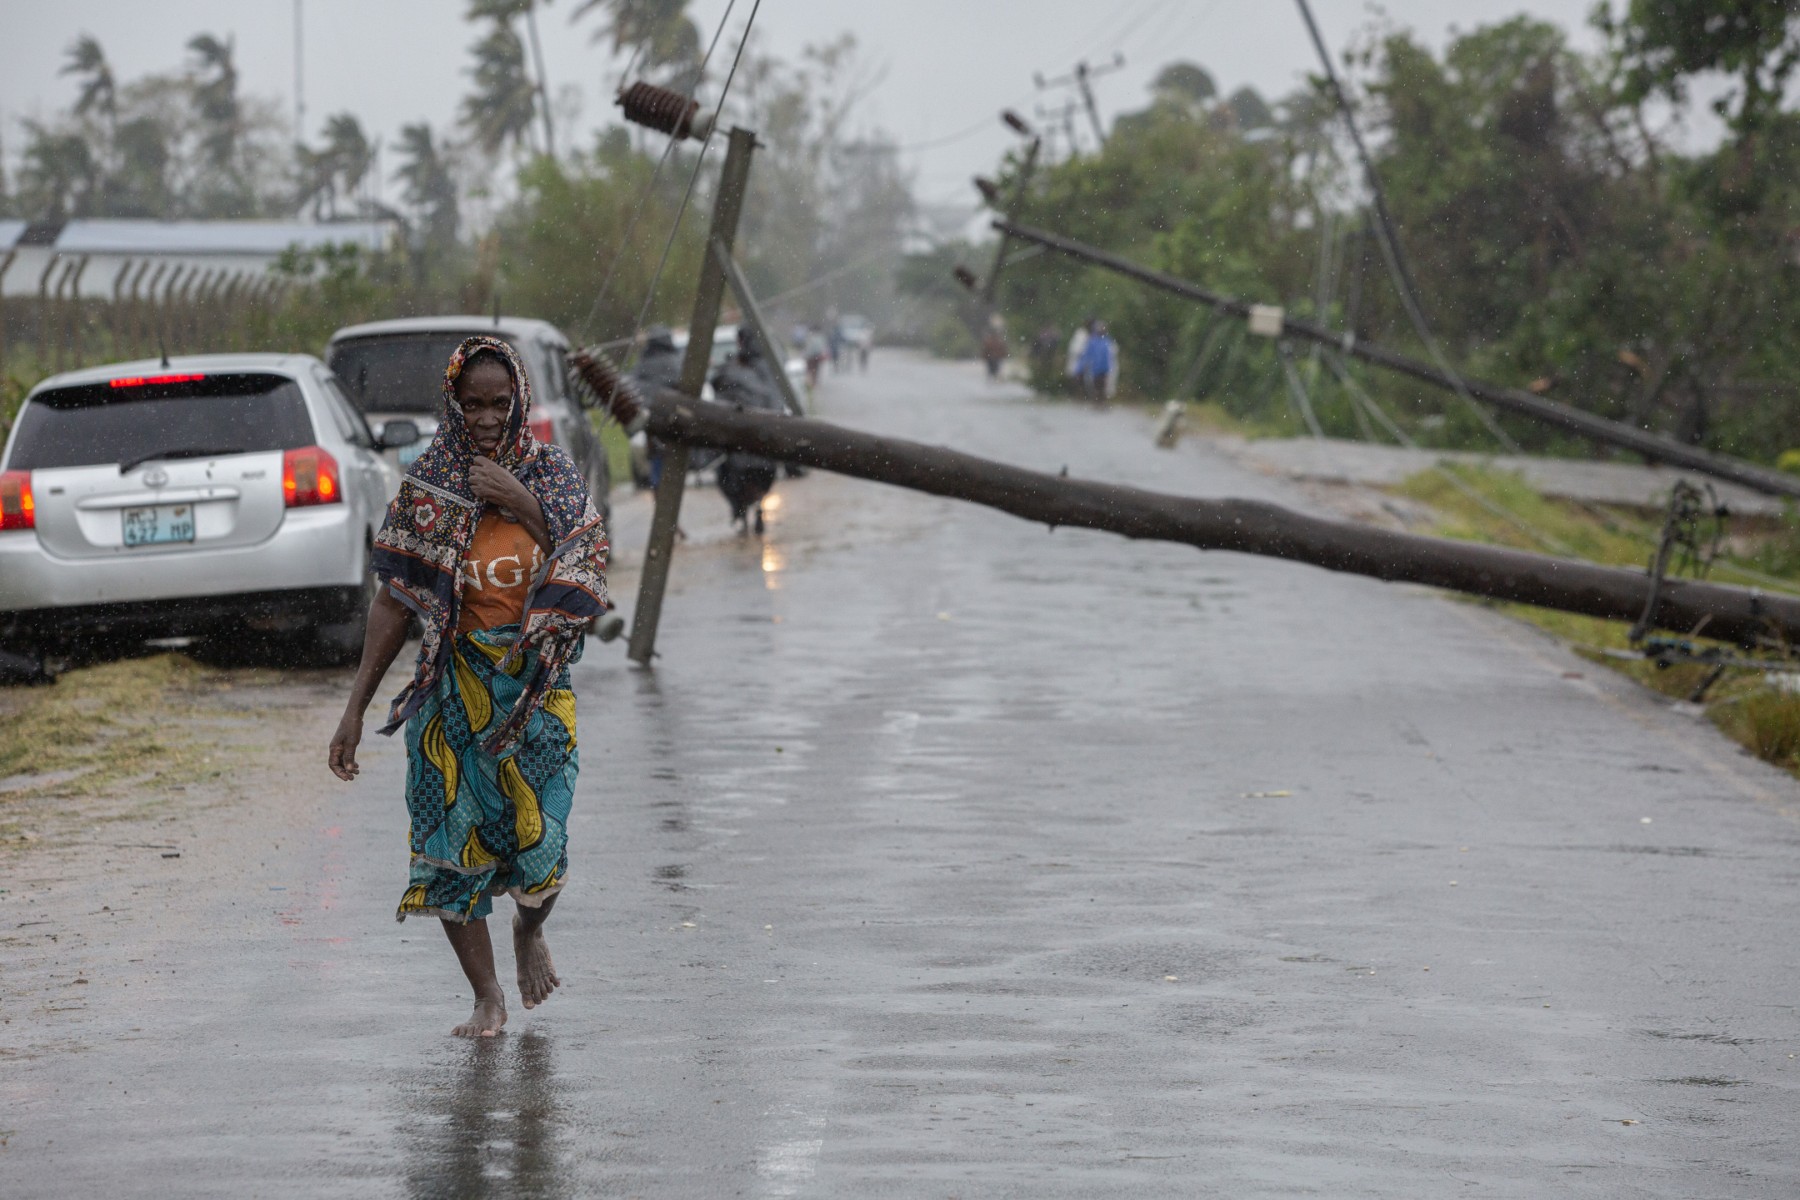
x,y
105,259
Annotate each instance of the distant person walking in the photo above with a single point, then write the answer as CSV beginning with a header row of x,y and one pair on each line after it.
x,y
1098,370
816,352
993,346
658,366
1044,348
744,479
1077,347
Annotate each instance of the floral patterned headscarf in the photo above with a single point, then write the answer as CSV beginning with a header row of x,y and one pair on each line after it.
x,y
431,521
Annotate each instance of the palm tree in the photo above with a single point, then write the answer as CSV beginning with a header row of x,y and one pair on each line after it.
x,y
138,185
98,90
658,32
501,108
58,175
429,186
216,99
338,169
315,181
349,150
503,13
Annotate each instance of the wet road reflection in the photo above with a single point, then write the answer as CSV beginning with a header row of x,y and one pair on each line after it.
x,y
491,1128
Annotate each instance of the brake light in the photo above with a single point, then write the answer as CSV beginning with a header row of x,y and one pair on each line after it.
x,y
309,476
17,509
148,380
543,429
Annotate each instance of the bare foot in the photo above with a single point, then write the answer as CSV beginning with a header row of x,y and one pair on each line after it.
x,y
485,1021
537,976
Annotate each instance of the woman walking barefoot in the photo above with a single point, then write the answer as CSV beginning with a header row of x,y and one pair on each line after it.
x,y
495,545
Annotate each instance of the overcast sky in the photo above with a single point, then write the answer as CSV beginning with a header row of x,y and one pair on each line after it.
x,y
948,65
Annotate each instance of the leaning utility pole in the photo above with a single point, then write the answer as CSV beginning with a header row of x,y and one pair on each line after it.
x,y
991,287
1082,78
1652,446
732,183
1684,606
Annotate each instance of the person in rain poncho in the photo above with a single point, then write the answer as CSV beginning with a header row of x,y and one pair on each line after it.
x,y
745,479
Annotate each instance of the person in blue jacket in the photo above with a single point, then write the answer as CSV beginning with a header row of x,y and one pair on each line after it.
x,y
1095,370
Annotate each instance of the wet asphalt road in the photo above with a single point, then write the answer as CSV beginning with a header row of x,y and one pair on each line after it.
x,y
943,856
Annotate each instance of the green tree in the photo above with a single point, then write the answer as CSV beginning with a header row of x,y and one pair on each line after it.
x,y
99,93
59,176
658,33
1664,43
336,170
567,230
1185,83
500,111
138,184
429,186
216,99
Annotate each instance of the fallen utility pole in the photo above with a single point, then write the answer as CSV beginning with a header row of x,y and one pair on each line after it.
x,y
1561,416
1247,526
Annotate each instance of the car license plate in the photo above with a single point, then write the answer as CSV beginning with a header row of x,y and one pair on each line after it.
x,y
158,524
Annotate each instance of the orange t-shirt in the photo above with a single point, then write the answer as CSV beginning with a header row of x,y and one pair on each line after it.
x,y
497,571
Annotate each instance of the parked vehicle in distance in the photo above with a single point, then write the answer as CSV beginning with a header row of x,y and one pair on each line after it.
x,y
394,370
192,496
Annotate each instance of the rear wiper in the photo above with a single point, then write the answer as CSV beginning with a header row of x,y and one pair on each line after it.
x,y
192,452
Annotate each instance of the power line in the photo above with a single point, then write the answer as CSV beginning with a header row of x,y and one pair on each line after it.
x,y
650,185
699,159
1389,240
769,302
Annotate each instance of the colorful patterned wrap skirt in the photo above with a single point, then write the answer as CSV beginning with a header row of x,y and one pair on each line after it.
x,y
483,825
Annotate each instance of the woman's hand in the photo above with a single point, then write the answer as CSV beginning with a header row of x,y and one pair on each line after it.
x,y
343,747
495,484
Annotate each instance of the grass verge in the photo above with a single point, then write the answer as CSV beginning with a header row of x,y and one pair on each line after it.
x,y
138,725
1746,705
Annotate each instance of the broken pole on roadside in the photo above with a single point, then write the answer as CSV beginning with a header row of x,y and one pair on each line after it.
x,y
1652,446
694,366
1741,615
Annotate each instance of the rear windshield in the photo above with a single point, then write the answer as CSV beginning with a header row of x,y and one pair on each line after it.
x,y
202,415
404,372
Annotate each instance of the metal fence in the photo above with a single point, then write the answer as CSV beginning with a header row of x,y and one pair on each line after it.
x,y
151,306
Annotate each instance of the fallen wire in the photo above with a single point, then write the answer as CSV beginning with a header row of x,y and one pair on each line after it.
x,y
1391,253
770,302
1357,395
1297,390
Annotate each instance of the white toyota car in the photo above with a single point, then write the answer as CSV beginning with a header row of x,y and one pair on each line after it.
x,y
202,495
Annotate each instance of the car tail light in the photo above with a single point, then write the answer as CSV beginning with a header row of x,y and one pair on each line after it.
x,y
543,429
129,381
310,476
17,509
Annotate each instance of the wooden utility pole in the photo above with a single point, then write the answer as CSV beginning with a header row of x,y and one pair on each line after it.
x,y
1684,606
1652,446
759,328
655,579
990,287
